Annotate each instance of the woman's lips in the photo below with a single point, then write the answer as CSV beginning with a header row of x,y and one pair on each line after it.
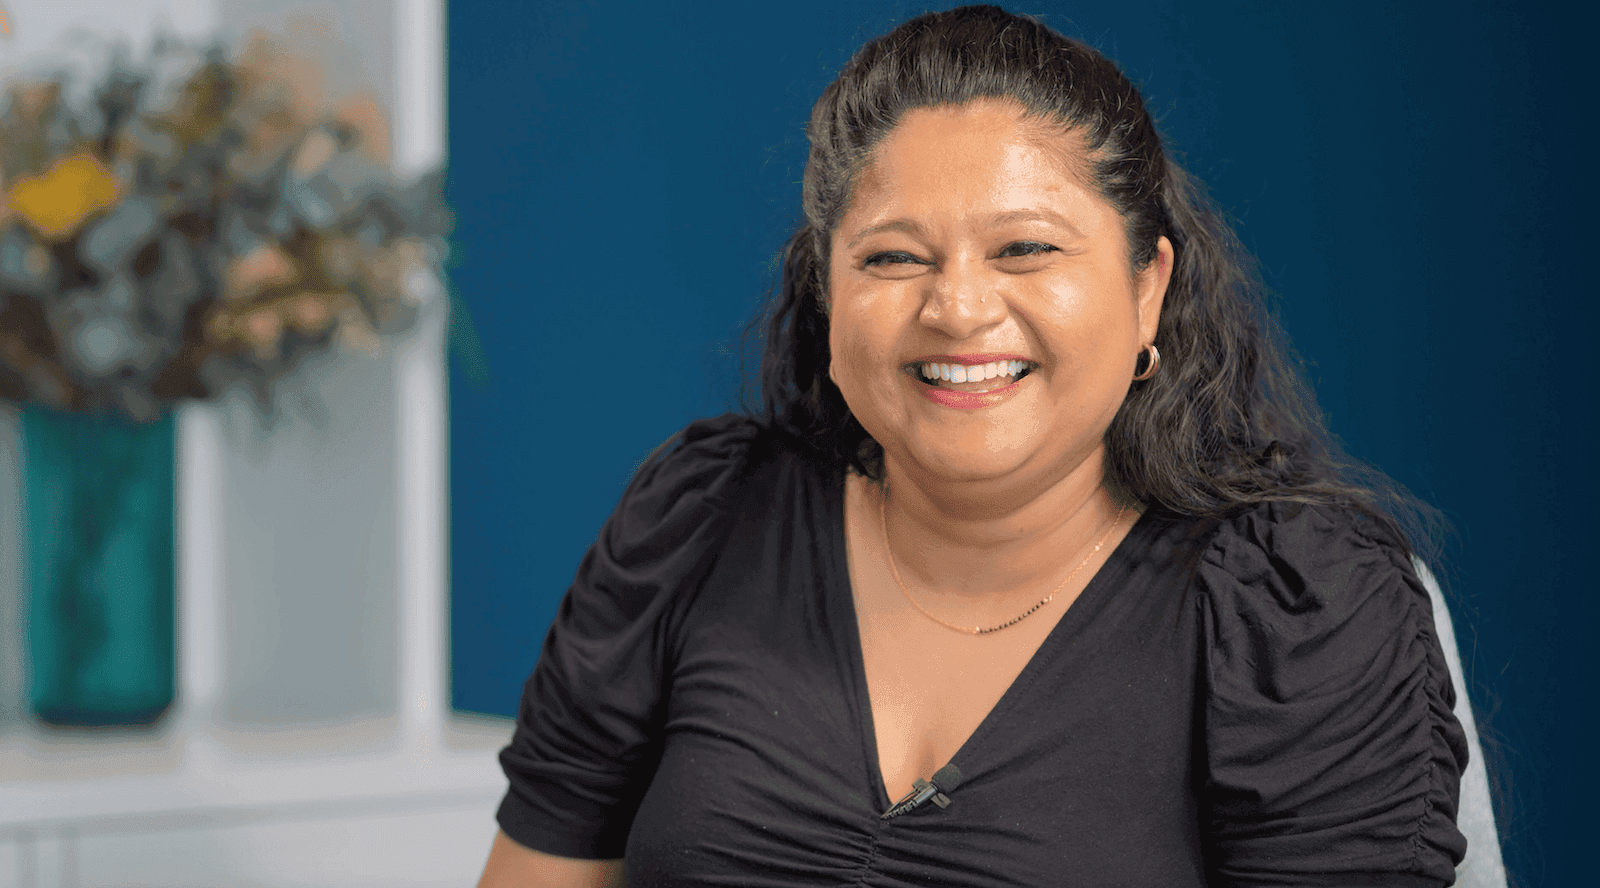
x,y
986,392
969,372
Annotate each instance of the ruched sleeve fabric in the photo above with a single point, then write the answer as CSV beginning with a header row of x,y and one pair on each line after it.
x,y
1331,753
588,731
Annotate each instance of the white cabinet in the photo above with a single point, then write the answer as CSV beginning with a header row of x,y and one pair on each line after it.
x,y
309,805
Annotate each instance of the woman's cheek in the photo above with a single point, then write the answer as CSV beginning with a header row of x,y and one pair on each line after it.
x,y
851,370
846,372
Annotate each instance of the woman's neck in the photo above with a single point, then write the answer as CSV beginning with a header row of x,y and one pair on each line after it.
x,y
995,538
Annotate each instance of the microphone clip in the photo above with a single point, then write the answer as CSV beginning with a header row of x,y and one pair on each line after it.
x,y
923,791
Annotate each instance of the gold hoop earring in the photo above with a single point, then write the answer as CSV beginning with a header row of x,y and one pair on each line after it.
x,y
1150,368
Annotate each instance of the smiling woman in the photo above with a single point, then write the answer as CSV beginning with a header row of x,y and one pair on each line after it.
x,y
969,240
1038,525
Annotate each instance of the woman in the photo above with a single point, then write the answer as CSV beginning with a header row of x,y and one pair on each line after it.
x,y
1039,567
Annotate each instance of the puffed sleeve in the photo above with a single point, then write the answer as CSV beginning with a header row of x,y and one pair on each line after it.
x,y
1333,756
587,737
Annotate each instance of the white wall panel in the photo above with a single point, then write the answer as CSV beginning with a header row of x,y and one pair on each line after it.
x,y
309,548
46,31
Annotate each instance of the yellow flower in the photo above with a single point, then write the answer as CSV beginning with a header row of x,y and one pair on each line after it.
x,y
58,201
63,197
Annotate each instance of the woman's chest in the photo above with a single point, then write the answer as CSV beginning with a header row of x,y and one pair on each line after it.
x,y
930,690
1081,763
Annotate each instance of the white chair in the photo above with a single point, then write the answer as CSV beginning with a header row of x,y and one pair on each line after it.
x,y
1483,867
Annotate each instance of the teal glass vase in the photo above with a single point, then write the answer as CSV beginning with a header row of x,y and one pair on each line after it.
x,y
98,516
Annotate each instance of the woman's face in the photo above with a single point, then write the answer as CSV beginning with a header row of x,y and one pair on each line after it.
x,y
972,241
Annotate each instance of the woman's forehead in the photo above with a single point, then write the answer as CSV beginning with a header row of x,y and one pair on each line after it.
x,y
1007,113
983,160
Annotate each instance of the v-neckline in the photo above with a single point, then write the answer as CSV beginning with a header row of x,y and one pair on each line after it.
x,y
841,593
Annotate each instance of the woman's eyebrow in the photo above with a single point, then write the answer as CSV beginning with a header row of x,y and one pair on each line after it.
x,y
1034,215
910,226
905,225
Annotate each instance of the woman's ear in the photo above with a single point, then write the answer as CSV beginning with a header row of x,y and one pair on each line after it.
x,y
1152,289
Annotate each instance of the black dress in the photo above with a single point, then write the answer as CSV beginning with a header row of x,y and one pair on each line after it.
x,y
1253,701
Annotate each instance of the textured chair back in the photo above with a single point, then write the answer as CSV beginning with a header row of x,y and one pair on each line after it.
x,y
1483,867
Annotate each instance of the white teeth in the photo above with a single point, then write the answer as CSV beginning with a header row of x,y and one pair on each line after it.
x,y
976,373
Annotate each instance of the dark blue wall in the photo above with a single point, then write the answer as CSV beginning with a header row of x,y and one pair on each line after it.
x,y
625,173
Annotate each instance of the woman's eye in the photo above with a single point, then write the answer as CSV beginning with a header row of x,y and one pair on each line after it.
x,y
890,257
1025,248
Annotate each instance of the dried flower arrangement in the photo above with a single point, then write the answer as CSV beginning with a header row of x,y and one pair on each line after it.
x,y
171,243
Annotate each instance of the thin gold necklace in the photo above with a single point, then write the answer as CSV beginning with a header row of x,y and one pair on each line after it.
x,y
883,524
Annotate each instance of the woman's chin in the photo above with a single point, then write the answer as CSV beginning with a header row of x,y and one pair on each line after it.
x,y
954,462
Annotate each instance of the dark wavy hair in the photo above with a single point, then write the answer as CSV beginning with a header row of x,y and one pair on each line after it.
x,y
1227,421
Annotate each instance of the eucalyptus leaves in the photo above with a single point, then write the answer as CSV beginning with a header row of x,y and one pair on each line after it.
x,y
172,241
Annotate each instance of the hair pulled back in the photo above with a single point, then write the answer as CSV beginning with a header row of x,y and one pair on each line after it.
x,y
1228,420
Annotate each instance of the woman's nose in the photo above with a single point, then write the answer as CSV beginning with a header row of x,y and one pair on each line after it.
x,y
962,299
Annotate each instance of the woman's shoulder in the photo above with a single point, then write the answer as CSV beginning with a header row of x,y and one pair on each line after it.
x,y
1301,597
667,528
711,454
696,473
705,444
1304,595
1306,559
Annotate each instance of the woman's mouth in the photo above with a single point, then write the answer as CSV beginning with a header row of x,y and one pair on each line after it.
x,y
971,378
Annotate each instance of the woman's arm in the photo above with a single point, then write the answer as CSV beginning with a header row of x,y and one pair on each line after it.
x,y
1332,752
513,866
